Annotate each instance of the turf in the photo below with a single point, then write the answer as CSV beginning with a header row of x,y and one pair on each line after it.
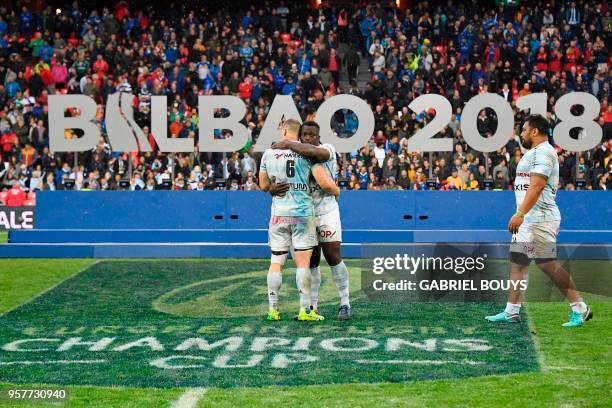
x,y
574,363
3,236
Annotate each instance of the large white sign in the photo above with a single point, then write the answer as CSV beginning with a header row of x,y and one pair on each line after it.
x,y
124,134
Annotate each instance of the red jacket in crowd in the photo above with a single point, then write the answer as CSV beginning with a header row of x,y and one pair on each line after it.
x,y
16,196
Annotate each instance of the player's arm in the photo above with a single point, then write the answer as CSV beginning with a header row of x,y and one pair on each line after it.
x,y
537,183
264,181
278,189
270,186
313,153
324,181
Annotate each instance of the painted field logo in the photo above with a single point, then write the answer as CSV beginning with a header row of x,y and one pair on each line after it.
x,y
217,297
200,323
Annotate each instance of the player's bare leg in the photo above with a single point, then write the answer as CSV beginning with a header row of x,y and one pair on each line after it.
x,y
563,280
517,273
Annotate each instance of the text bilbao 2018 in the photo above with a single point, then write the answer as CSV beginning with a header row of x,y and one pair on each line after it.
x,y
124,134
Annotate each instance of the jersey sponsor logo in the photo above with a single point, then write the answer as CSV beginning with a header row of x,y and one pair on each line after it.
x,y
326,233
287,154
280,220
298,186
521,187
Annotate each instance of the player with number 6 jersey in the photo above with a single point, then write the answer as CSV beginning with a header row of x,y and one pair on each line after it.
x,y
292,222
327,216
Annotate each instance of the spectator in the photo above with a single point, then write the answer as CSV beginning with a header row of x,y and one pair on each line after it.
x,y
454,182
16,196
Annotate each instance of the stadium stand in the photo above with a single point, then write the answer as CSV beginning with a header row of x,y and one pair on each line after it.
x,y
386,55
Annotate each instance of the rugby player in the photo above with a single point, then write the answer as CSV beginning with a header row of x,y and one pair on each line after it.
x,y
292,221
535,224
327,216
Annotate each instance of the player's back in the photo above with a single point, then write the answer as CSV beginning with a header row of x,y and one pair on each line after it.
x,y
285,166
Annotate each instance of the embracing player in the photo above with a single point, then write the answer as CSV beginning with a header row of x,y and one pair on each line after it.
x,y
327,216
535,224
292,220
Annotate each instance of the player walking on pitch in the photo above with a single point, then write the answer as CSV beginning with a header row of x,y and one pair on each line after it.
x,y
292,220
327,216
535,224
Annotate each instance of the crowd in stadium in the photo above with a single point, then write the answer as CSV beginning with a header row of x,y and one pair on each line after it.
x,y
457,50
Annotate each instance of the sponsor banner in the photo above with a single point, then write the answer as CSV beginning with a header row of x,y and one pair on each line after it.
x,y
16,218
473,272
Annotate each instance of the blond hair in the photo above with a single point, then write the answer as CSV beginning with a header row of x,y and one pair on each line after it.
x,y
292,127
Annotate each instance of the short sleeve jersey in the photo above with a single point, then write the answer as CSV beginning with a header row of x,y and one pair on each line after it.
x,y
323,201
542,160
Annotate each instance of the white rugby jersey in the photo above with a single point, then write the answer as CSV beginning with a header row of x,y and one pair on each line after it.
x,y
286,166
543,160
323,201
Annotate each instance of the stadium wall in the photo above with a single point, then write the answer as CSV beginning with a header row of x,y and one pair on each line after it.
x,y
234,223
429,210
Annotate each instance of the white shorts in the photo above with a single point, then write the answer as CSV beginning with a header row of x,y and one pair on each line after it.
x,y
536,240
329,228
284,232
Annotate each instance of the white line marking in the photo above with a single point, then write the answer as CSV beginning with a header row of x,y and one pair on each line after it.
x,y
429,362
549,367
52,362
189,399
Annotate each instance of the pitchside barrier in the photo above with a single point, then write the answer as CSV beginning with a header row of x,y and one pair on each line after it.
x,y
234,223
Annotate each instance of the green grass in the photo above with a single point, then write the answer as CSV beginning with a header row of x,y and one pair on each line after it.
x,y
3,237
22,279
574,364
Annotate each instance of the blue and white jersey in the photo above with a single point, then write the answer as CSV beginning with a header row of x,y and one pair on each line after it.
x,y
323,201
543,160
285,166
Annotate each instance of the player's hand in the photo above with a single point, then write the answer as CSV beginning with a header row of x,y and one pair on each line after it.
x,y
514,224
281,145
278,189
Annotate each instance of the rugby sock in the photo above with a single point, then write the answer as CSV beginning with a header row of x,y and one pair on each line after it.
x,y
315,284
579,306
275,279
341,277
302,280
513,308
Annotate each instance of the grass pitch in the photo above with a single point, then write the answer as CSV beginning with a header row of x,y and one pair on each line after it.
x,y
414,354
